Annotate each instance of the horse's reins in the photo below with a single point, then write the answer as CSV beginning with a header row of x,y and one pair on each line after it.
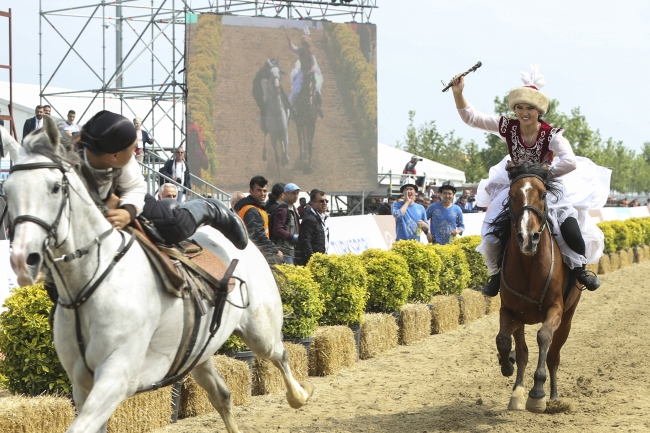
x,y
544,216
51,229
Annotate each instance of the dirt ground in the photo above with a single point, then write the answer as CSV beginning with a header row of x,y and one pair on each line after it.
x,y
452,382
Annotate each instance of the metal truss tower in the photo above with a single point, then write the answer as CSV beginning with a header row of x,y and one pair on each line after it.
x,y
148,44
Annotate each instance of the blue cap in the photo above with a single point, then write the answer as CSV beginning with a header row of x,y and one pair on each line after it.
x,y
291,187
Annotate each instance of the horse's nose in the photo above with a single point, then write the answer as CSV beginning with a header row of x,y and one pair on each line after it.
x,y
535,238
520,240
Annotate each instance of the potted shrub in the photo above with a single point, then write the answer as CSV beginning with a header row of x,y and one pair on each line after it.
x,y
454,274
236,348
31,365
344,289
423,267
389,282
477,269
302,305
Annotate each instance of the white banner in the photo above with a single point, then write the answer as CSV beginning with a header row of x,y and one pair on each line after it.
x,y
354,234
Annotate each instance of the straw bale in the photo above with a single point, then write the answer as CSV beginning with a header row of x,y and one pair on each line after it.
x,y
445,314
604,265
624,258
414,323
492,304
378,334
333,348
142,412
615,261
267,379
36,414
593,267
646,248
236,374
472,306
639,254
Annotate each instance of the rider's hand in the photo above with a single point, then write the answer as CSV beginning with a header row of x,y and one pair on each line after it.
x,y
112,202
118,218
280,256
457,85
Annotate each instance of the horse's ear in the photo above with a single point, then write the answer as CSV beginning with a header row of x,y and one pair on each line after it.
x,y
9,144
545,165
509,165
52,131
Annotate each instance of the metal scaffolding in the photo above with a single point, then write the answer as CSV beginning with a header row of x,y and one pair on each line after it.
x,y
149,50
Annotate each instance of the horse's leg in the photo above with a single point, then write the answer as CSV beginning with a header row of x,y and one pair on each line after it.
x,y
537,397
207,377
559,338
518,397
108,391
509,324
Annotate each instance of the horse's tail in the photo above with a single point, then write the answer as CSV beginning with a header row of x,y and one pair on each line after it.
x,y
500,228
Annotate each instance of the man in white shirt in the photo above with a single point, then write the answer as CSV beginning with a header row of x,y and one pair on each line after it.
x,y
69,128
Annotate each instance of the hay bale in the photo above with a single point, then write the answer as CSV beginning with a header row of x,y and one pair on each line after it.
x,y
492,304
646,248
624,258
414,323
604,265
236,374
639,254
333,348
445,314
36,414
593,267
472,306
615,261
267,379
379,333
142,412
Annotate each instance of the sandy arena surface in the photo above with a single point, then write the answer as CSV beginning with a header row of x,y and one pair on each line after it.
x,y
452,382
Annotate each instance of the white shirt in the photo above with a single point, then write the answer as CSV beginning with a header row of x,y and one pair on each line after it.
x,y
39,122
558,144
178,171
72,128
131,185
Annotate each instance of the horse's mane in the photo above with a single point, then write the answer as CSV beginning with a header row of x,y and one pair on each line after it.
x,y
67,154
501,225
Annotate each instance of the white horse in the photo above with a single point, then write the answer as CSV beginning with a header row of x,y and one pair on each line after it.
x,y
131,327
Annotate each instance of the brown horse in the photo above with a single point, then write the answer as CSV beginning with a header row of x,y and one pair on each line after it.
x,y
536,286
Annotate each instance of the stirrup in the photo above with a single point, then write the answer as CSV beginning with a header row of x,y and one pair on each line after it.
x,y
588,278
491,289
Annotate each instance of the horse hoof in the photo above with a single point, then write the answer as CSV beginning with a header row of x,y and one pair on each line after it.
x,y
507,369
297,403
536,405
518,399
309,389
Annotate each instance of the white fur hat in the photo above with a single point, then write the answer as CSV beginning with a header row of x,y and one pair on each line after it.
x,y
530,93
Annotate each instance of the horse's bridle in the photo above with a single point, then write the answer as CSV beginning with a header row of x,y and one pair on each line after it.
x,y
514,217
543,215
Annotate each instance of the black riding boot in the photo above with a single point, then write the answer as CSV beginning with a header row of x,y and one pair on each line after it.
x,y
573,237
217,215
492,287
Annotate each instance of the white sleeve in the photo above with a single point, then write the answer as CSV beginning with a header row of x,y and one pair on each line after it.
x,y
132,186
562,149
479,120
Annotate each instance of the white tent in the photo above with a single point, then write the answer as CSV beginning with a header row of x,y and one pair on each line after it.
x,y
392,160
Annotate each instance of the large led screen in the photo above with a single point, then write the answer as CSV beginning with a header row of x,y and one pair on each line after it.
x,y
292,100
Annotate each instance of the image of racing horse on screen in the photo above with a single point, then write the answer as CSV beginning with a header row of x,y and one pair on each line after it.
x,y
274,111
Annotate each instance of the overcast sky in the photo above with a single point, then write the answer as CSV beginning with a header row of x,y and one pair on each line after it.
x,y
595,55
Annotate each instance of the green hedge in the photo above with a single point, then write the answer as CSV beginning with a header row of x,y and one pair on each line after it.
x,y
477,269
454,272
31,365
358,76
302,305
424,267
343,285
389,282
202,81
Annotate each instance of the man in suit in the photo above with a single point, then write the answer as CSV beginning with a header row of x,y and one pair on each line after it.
x,y
34,123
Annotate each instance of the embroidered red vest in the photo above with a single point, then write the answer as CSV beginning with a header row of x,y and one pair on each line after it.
x,y
519,152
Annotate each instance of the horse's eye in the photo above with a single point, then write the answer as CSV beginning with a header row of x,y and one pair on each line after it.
x,y
544,196
57,188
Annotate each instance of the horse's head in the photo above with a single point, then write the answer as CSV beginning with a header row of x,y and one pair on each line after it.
x,y
527,203
274,79
37,194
